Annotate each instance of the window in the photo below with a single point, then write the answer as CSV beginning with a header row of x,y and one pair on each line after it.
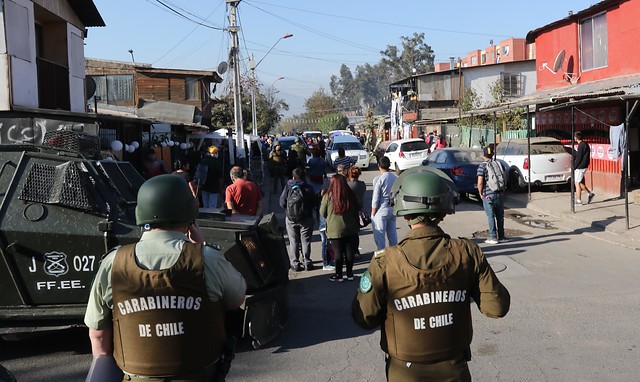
x,y
191,88
483,58
505,50
593,42
474,60
115,90
511,84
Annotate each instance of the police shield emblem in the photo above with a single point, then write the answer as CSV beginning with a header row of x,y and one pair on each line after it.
x,y
55,264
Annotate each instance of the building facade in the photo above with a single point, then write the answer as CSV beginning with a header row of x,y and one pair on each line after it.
x,y
587,81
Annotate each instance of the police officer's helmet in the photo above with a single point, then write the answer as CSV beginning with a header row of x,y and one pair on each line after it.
x,y
424,190
165,199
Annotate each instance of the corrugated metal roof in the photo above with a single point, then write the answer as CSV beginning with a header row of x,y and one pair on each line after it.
x,y
627,86
87,13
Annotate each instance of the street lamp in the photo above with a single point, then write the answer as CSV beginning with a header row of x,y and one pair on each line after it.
x,y
132,58
253,66
276,80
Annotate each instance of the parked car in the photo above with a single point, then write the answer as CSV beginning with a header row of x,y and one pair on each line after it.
x,y
406,153
380,150
352,147
287,142
550,162
460,164
309,135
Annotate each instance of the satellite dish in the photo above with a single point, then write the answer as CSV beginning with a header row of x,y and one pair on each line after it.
x,y
90,87
222,67
557,64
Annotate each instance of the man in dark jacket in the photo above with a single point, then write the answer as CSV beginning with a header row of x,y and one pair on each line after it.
x,y
299,228
581,159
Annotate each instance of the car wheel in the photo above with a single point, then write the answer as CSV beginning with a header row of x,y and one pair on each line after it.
x,y
516,182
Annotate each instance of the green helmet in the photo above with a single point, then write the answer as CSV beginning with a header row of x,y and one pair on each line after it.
x,y
165,199
424,190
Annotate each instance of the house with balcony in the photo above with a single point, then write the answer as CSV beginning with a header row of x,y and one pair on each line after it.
x,y
42,66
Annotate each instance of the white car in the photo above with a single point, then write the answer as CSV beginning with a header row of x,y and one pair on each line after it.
x,y
352,148
550,162
406,153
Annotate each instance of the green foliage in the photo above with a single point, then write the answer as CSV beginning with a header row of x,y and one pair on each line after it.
x,y
329,122
470,101
369,86
268,109
320,104
416,57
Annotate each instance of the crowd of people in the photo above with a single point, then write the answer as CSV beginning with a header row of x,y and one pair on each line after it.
x,y
309,197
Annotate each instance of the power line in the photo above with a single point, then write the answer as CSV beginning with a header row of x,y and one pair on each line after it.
x,y
315,31
377,22
175,12
187,35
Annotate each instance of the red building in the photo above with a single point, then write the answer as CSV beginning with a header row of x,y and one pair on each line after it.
x,y
589,80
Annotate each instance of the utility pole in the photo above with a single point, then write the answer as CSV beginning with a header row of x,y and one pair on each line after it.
x,y
254,114
234,57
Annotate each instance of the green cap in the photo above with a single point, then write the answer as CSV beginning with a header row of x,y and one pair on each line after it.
x,y
424,190
165,199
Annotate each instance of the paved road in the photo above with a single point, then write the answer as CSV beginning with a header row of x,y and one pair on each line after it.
x,y
575,303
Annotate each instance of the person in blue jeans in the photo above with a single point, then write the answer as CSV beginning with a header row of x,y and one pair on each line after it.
x,y
327,264
383,221
492,201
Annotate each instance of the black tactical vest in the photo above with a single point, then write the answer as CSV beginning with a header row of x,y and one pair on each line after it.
x,y
163,321
428,314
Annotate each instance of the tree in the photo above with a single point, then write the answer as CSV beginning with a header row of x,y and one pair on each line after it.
x,y
268,108
511,118
345,89
416,57
319,104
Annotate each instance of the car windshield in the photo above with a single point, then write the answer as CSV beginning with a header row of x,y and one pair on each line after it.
x,y
536,148
467,156
413,146
286,144
348,146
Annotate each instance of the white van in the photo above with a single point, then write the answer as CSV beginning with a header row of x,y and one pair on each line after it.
x,y
352,148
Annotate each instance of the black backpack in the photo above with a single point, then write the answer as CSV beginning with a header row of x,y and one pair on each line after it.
x,y
295,204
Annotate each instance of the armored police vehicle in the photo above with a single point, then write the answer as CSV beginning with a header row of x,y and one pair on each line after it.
x,y
62,208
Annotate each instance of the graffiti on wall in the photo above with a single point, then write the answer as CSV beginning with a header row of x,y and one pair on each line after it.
x,y
28,130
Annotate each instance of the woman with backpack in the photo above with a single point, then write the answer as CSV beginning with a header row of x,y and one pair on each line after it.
x,y
340,207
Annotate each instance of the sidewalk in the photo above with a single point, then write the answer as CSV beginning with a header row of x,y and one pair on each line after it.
x,y
602,214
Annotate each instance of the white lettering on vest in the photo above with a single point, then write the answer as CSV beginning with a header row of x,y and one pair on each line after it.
x,y
181,302
441,320
140,304
145,330
170,329
419,323
427,298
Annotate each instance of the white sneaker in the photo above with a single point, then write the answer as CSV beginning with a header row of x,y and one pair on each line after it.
x,y
504,240
491,241
578,203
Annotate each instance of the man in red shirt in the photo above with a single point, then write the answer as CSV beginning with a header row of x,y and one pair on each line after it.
x,y
243,196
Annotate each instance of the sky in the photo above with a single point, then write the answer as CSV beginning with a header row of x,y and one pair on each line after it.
x,y
326,34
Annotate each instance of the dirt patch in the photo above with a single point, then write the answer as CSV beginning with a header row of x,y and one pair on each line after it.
x,y
536,222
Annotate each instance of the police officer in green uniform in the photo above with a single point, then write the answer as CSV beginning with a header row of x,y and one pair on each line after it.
x,y
419,291
301,149
158,305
